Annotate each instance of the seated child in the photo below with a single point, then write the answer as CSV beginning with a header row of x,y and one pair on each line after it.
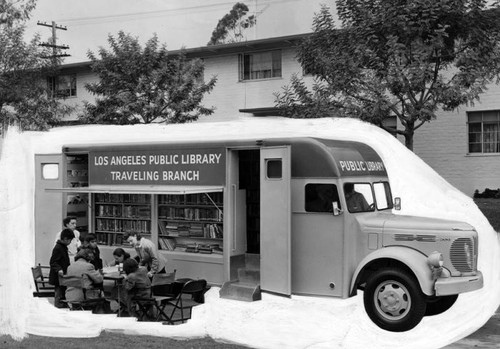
x,y
136,282
82,266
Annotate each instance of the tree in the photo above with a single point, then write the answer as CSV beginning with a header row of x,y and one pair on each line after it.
x,y
230,27
145,85
23,89
393,58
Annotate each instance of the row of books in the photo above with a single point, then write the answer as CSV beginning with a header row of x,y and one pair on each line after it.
x,y
77,173
125,211
200,248
208,231
123,198
190,213
192,199
116,225
77,159
109,239
166,243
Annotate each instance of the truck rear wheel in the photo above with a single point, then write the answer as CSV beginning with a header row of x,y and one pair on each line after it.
x,y
393,300
438,305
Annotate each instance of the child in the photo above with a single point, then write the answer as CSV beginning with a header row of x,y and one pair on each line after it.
x,y
83,265
90,242
136,282
59,263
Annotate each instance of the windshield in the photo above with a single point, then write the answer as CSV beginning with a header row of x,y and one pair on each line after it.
x,y
383,195
359,197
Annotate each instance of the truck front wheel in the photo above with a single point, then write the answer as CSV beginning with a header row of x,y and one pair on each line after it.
x,y
393,300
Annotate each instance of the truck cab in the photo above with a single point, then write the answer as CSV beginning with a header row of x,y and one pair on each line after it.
x,y
347,236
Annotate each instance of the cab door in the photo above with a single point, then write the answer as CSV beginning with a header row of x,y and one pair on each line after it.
x,y
275,220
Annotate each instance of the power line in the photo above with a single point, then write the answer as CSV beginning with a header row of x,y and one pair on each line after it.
x,y
158,13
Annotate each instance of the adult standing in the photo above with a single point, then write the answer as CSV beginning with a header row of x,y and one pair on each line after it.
x,y
146,252
59,263
70,223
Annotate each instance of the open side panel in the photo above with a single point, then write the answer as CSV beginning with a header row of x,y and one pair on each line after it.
x,y
48,205
275,220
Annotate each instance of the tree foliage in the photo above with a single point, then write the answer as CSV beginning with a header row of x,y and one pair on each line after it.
x,y
396,58
23,89
145,85
230,28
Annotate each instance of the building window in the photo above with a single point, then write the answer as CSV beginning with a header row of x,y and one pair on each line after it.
x,y
261,65
62,86
484,131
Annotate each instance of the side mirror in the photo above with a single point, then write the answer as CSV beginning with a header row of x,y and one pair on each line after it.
x,y
397,204
336,210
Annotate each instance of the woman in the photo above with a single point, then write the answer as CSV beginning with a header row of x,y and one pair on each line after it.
x,y
120,256
82,266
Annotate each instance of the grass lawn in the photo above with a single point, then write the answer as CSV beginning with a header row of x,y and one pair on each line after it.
x,y
491,210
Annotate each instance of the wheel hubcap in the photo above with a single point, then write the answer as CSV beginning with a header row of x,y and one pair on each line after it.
x,y
392,300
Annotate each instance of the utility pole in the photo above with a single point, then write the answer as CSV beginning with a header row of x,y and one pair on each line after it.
x,y
53,44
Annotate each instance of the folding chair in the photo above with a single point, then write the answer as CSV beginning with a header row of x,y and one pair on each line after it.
x,y
185,304
42,286
162,290
87,303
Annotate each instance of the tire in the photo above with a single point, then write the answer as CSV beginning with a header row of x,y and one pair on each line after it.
x,y
438,305
393,300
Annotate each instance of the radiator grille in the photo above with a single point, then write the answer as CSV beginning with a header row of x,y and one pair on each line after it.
x,y
463,253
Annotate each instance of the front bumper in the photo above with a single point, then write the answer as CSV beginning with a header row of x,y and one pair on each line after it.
x,y
456,285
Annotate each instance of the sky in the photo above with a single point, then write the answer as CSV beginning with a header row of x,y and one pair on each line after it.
x,y
274,322
178,23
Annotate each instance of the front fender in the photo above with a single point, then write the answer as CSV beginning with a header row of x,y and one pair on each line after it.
x,y
414,260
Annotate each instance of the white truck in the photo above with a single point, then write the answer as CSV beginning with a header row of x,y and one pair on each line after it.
x,y
288,202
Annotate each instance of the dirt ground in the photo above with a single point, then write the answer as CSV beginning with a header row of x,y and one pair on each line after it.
x,y
109,340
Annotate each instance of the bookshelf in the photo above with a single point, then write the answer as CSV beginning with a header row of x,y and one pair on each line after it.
x,y
116,214
77,203
191,223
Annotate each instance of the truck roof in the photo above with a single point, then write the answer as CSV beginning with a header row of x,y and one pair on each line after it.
x,y
311,157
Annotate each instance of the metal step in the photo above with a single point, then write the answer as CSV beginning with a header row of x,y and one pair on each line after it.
x,y
240,291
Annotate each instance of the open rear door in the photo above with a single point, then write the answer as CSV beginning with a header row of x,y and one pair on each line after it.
x,y
48,205
275,220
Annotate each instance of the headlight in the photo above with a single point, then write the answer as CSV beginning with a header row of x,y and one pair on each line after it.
x,y
435,259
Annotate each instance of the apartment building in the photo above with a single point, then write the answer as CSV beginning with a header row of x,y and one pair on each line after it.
x,y
462,146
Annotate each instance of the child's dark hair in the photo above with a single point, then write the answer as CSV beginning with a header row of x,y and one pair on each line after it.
x,y
67,234
130,265
119,252
85,253
90,237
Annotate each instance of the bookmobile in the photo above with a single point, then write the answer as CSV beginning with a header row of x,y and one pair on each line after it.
x,y
241,214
